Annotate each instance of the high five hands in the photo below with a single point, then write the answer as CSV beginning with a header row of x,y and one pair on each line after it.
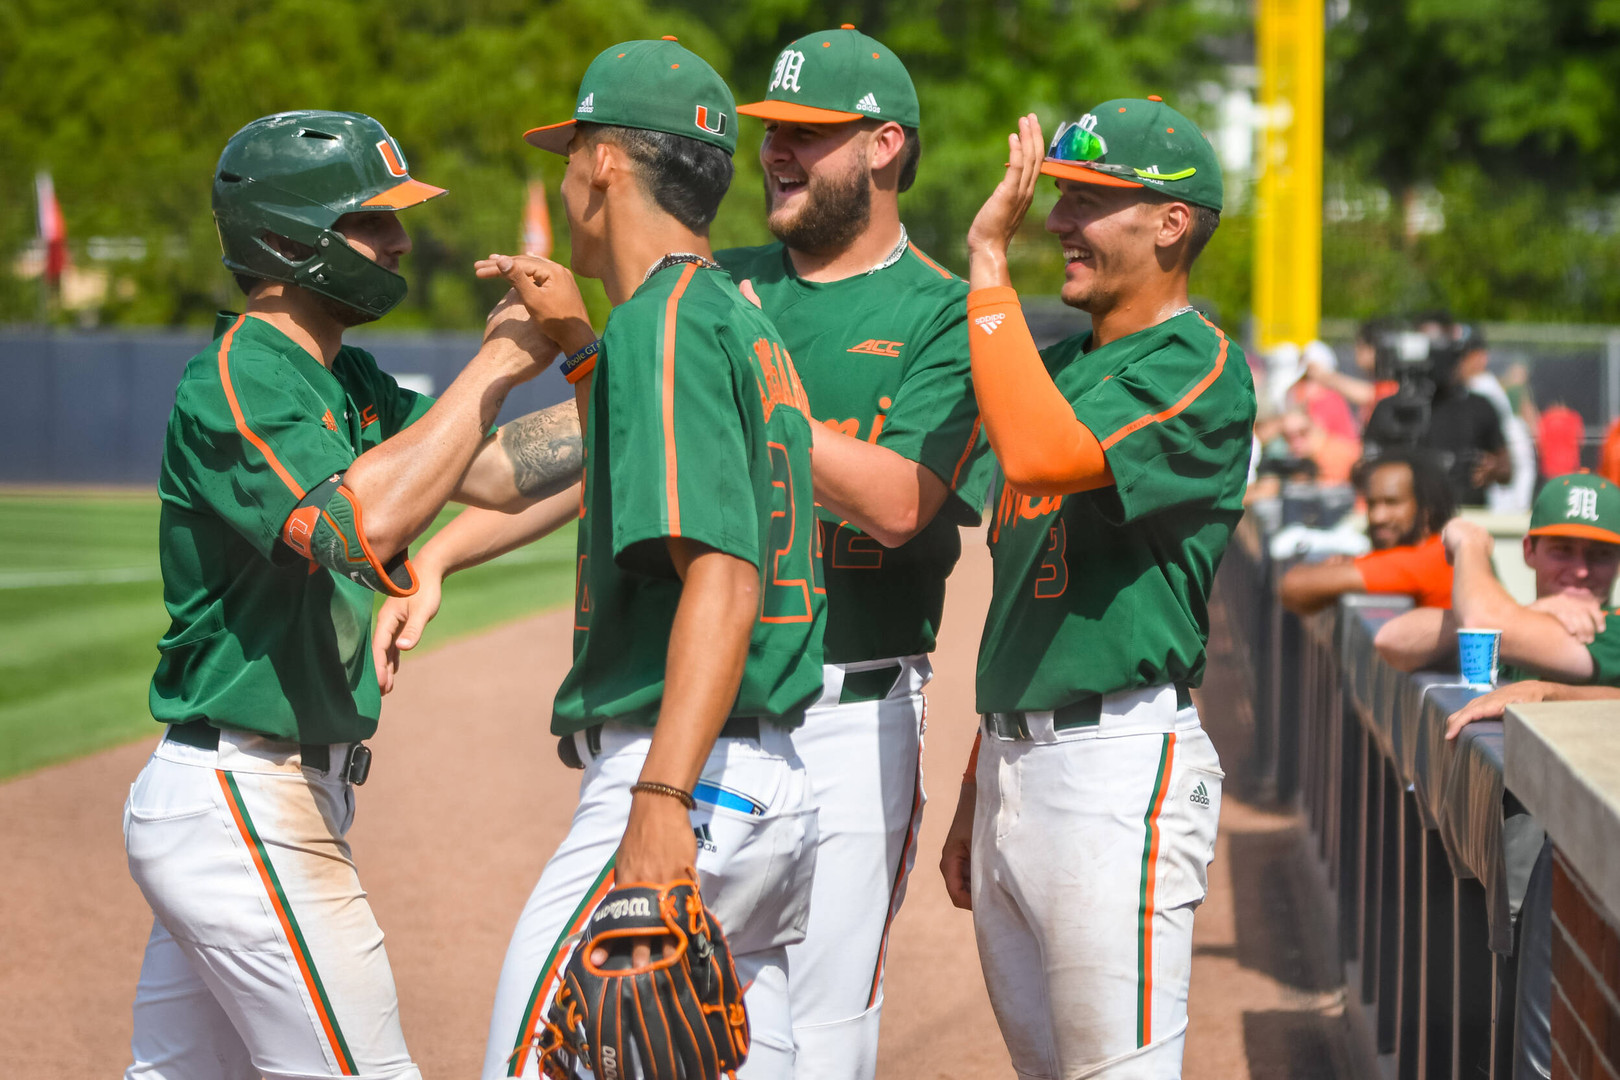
x,y
549,292
1004,211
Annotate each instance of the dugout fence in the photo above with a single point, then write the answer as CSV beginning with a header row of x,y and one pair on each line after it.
x,y
1424,857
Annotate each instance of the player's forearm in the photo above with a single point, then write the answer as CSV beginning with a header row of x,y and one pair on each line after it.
x,y
477,535
887,496
1532,639
1421,638
406,480
1308,589
708,647
1042,447
531,458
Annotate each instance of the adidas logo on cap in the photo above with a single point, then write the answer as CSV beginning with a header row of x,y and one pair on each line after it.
x,y
868,104
990,323
589,104
1200,795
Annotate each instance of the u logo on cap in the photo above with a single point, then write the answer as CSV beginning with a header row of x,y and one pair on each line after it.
x,y
702,120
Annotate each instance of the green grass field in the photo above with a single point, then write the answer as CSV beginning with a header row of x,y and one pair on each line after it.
x,y
81,610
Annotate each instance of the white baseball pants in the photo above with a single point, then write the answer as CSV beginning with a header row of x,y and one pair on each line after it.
x,y
265,958
865,763
756,831
1090,850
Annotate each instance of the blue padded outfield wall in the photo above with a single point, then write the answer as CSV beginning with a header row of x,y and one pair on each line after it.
x,y
91,407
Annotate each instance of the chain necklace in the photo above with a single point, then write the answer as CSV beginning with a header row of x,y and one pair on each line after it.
x,y
675,257
894,256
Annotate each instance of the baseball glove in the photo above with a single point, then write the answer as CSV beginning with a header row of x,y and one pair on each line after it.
x,y
677,1017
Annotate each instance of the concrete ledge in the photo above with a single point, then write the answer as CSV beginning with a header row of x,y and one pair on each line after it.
x,y
1563,763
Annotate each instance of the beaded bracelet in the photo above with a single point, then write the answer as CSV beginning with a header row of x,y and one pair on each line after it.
x,y
653,787
582,363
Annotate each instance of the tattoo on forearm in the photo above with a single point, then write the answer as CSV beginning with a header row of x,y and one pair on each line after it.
x,y
545,450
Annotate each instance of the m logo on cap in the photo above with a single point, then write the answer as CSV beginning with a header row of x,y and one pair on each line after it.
x,y
703,117
786,75
1582,504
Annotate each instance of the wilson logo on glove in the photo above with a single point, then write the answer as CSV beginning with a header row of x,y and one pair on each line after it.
x,y
679,1016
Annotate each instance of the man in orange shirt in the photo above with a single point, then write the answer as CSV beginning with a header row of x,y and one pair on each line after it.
x,y
1333,455
1408,503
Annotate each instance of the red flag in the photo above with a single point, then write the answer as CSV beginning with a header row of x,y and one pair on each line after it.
x,y
537,221
52,230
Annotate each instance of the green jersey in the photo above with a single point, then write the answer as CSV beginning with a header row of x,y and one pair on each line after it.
x,y
1605,650
697,428
884,357
260,638
1108,590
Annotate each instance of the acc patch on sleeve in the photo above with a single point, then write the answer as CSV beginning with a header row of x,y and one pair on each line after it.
x,y
326,529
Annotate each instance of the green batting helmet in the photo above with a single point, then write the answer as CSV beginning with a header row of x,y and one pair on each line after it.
x,y
293,175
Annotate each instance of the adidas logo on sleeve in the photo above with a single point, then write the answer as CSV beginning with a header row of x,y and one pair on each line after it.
x,y
868,104
990,323
1200,795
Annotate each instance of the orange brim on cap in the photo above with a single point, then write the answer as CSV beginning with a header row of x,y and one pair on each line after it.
x,y
794,113
401,195
553,137
1069,170
1584,532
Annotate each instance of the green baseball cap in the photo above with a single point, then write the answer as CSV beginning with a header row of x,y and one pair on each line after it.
x,y
1138,143
1577,504
652,85
835,76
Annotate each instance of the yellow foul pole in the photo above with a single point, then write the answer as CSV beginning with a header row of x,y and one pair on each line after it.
x,y
1288,228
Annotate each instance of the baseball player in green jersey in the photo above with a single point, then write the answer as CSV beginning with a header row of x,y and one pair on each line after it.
x,y
294,474
699,609
1082,837
879,333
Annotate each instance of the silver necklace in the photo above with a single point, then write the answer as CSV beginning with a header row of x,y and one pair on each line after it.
x,y
894,256
675,257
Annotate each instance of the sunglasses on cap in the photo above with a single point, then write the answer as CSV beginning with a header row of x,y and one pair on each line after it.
x,y
1081,146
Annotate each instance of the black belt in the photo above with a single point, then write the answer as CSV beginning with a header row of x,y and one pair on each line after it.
x,y
873,685
317,756
1087,712
738,727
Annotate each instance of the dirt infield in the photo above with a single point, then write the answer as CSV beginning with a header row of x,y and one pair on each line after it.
x,y
466,801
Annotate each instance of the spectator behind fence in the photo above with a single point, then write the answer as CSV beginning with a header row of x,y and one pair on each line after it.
x,y
1408,503
1363,393
1512,497
1567,636
1333,455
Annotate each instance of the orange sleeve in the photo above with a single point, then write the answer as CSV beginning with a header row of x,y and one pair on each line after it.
x,y
1042,447
972,773
1420,572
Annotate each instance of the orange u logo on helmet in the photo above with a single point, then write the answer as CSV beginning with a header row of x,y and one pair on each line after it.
x,y
702,121
391,158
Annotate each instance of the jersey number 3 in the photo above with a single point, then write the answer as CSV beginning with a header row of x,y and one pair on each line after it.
x,y
794,566
1054,576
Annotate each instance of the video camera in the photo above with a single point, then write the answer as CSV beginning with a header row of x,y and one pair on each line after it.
x,y
1420,357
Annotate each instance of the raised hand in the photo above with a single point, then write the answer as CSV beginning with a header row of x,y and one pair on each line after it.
x,y
1003,212
510,329
549,293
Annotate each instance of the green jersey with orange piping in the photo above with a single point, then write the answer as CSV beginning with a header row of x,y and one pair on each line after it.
x,y
260,638
884,357
1108,590
697,428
